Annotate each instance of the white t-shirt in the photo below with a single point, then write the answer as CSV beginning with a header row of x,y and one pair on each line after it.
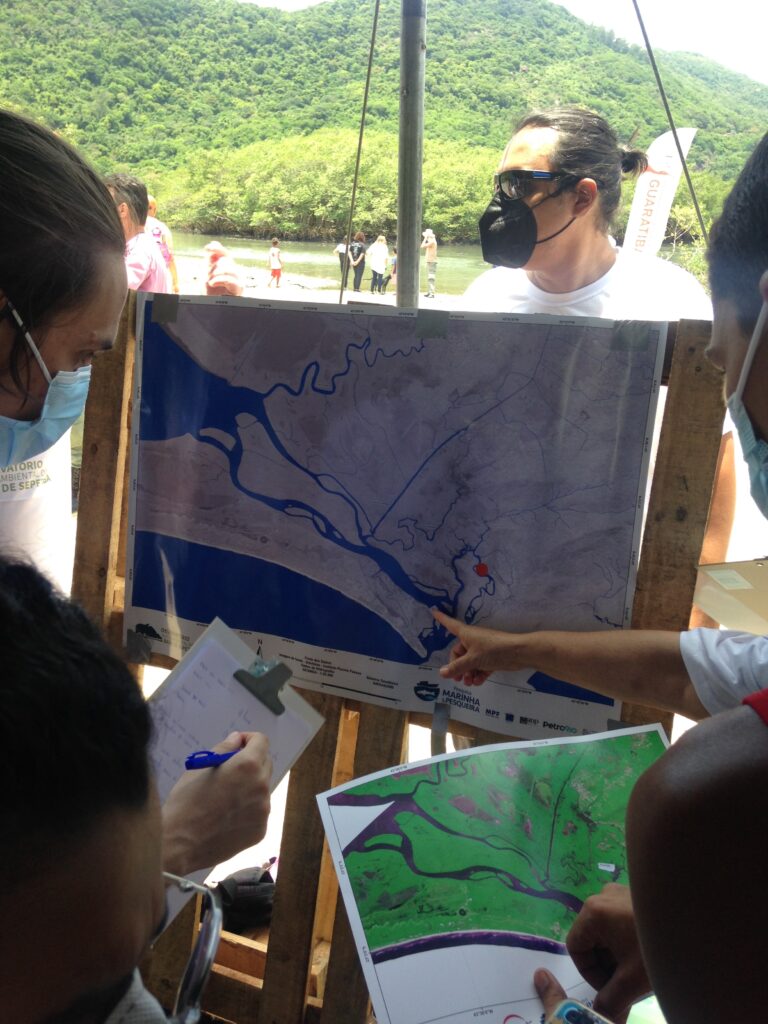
x,y
36,520
377,257
636,287
275,262
724,665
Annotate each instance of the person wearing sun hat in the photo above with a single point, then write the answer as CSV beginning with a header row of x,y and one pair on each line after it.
x,y
224,276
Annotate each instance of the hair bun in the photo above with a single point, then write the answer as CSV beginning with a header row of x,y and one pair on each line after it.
x,y
633,161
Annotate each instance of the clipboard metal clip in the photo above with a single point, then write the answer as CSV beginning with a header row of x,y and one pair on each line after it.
x,y
265,680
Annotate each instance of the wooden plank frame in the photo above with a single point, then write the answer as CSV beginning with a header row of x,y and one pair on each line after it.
x,y
361,738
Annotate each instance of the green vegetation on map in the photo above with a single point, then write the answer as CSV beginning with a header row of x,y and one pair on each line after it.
x,y
244,119
511,840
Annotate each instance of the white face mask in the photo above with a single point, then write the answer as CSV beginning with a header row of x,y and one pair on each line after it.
x,y
64,402
755,450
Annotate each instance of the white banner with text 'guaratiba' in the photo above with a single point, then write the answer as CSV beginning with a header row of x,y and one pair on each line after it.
x,y
654,193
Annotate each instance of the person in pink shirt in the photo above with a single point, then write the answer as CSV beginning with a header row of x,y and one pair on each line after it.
x,y
163,237
224,276
144,263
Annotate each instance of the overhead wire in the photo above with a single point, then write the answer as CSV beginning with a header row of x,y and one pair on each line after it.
x,y
346,267
671,121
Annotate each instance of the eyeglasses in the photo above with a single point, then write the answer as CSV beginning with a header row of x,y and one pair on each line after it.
x,y
186,1009
517,184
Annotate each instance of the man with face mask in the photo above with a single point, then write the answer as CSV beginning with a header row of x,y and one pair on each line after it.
x,y
546,230
83,838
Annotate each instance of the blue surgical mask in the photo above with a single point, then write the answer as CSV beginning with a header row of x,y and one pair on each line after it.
x,y
21,440
754,449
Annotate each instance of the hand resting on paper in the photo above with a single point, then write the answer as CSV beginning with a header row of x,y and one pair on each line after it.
x,y
550,991
604,946
213,813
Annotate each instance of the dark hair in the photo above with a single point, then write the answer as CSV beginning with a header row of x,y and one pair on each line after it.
x,y
129,190
57,220
587,147
74,726
738,241
359,237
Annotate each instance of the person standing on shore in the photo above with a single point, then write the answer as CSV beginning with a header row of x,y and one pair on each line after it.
x,y
392,275
357,259
378,257
429,243
162,235
341,252
275,264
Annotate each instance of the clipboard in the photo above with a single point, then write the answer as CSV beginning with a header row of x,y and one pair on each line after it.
x,y
220,687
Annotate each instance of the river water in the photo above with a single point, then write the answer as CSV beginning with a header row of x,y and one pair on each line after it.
x,y
311,264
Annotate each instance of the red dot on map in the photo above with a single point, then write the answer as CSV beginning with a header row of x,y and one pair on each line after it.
x,y
481,569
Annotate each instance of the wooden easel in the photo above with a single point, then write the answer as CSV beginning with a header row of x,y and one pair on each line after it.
x,y
308,970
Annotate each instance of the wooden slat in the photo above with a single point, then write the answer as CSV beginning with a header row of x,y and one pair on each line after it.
x,y
248,955
102,478
290,941
239,953
319,971
234,997
680,495
380,739
343,771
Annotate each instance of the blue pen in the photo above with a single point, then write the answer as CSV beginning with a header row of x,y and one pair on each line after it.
x,y
207,759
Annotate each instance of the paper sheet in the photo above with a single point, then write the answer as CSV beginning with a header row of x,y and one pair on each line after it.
x,y
201,702
322,476
462,874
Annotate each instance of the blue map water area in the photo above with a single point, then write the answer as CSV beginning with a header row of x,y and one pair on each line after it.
x,y
542,683
251,594
181,397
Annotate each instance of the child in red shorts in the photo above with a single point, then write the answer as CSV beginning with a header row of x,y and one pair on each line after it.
x,y
275,264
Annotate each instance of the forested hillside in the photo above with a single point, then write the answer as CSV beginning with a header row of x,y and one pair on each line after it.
x,y
244,118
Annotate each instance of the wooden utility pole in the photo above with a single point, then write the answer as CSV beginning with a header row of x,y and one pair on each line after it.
x,y
413,46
